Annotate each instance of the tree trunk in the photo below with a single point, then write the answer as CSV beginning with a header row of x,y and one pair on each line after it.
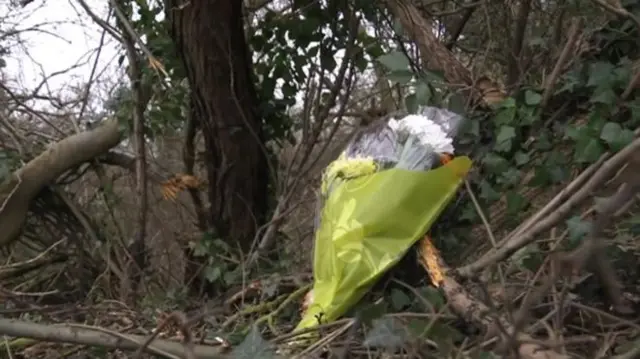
x,y
210,39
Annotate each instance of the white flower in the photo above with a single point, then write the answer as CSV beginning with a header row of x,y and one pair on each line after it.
x,y
427,131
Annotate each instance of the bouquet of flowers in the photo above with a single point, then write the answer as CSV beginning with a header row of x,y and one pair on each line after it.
x,y
378,198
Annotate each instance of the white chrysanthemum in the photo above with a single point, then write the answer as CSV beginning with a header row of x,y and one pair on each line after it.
x,y
429,132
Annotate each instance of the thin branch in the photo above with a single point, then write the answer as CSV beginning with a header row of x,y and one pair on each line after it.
x,y
550,82
100,337
513,69
522,238
455,34
133,36
140,103
618,10
103,24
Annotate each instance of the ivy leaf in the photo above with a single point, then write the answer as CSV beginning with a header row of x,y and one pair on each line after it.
x,y
433,296
509,102
437,331
574,132
635,112
434,75
533,261
495,163
235,276
634,225
521,158
621,75
615,136
543,142
399,300
253,346
394,61
212,273
375,51
200,248
532,98
288,91
510,177
604,96
456,104
360,61
487,192
578,228
485,355
468,213
387,333
626,137
411,101
527,116
600,74
542,177
610,132
423,93
588,150
505,116
523,253
558,174
506,133
368,313
515,202
313,51
400,76
504,138
571,81
470,128
327,61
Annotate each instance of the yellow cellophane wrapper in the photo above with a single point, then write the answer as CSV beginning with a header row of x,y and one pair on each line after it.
x,y
366,226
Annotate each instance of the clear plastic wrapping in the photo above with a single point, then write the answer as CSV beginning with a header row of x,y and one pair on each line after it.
x,y
412,142
381,195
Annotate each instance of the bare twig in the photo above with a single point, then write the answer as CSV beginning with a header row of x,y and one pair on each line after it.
x,y
514,70
479,314
133,37
322,114
455,34
520,239
140,103
615,8
105,25
6,200
550,82
96,336
183,324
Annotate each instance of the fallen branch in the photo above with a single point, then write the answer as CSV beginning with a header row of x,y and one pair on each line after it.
x,y
85,335
17,192
591,252
521,238
476,312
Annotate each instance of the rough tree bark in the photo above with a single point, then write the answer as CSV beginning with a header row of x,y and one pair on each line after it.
x,y
211,41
